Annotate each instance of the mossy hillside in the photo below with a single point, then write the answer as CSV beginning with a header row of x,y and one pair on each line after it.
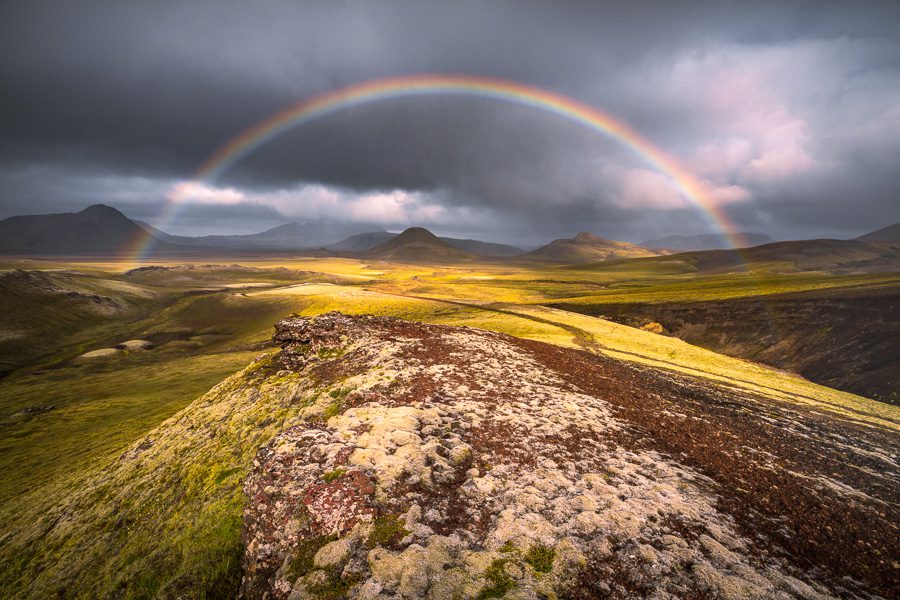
x,y
100,409
97,412
42,313
627,343
642,347
211,275
724,287
164,519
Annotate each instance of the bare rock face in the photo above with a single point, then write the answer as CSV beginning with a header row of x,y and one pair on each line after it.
x,y
446,462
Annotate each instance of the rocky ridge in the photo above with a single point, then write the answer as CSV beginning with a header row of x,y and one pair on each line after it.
x,y
378,458
447,462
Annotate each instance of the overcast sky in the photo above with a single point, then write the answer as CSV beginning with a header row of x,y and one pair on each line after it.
x,y
787,112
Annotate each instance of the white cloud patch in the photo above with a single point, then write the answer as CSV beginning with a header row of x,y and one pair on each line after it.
x,y
201,193
725,194
759,135
320,202
642,188
394,207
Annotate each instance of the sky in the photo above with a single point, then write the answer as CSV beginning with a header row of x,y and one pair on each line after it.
x,y
787,113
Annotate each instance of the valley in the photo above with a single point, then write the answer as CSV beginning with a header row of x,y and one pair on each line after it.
x,y
101,354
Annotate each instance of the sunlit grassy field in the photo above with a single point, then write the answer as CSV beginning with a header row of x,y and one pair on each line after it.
x,y
64,418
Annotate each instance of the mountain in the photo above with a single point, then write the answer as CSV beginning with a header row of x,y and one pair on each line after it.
x,y
407,460
801,255
289,236
586,247
367,241
361,241
681,243
101,230
886,234
417,244
483,248
96,230
832,256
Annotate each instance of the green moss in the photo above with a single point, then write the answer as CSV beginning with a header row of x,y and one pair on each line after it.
x,y
332,475
301,561
338,394
334,587
499,582
329,353
507,547
540,558
386,530
333,410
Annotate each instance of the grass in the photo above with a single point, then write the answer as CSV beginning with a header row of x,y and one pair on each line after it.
x,y
726,287
97,412
162,519
643,347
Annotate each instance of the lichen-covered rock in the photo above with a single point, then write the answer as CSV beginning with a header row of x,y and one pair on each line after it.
x,y
446,462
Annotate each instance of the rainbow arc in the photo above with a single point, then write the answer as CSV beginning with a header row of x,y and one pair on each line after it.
x,y
464,85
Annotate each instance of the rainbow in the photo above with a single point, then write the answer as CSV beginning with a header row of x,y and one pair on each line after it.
x,y
464,85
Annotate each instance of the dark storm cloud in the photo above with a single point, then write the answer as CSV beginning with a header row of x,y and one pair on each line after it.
x,y
788,114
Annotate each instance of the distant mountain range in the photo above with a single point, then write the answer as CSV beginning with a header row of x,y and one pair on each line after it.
x,y
586,247
96,230
686,243
886,234
850,256
290,236
101,230
361,241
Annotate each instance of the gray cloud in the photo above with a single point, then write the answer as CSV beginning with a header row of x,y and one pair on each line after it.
x,y
788,114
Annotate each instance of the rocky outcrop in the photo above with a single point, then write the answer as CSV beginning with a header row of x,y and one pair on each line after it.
x,y
448,462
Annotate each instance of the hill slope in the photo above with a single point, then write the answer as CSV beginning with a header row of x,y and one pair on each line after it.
x,y
289,236
96,230
379,455
42,310
586,247
361,242
367,241
843,337
835,256
886,234
418,245
483,248
683,243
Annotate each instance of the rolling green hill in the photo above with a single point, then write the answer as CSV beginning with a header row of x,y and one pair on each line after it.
x,y
586,247
417,244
